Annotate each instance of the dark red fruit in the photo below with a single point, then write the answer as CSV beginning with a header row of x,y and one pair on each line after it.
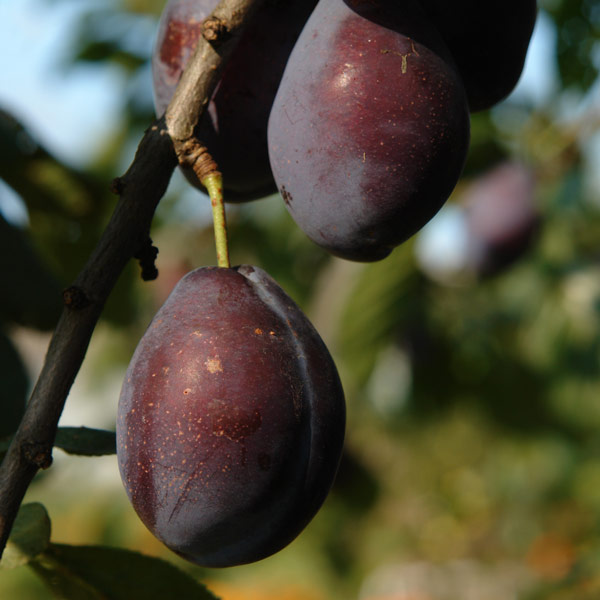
x,y
488,40
501,216
231,419
235,126
370,127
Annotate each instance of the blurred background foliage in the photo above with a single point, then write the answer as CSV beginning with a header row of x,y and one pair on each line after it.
x,y
472,467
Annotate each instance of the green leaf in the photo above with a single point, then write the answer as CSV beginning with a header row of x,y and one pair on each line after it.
x,y
45,184
97,572
66,208
104,51
14,388
578,36
85,441
31,295
82,441
30,536
4,444
383,302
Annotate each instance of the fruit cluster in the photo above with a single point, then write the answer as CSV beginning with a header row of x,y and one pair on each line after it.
x,y
231,417
357,111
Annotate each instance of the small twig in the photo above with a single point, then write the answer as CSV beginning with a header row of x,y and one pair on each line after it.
x,y
140,190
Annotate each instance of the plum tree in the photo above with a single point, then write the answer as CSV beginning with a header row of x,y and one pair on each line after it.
x,y
235,125
370,127
488,41
231,419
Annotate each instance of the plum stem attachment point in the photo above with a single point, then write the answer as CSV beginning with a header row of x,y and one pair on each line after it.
x,y
214,186
192,154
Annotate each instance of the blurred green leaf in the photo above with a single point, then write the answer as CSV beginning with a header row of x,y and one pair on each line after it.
x,y
120,308
14,388
4,444
81,441
65,206
95,573
578,35
484,149
109,51
44,183
113,35
85,441
30,536
66,212
31,294
384,300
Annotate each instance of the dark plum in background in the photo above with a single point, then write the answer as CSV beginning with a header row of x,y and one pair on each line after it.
x,y
502,218
488,40
235,125
231,419
370,127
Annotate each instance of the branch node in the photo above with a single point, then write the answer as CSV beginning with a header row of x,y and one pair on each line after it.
x,y
194,155
215,31
117,185
146,255
75,298
37,454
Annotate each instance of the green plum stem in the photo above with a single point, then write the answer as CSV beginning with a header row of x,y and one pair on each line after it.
x,y
214,186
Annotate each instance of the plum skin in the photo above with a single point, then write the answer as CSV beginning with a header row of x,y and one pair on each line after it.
x,y
231,419
369,130
234,128
502,218
489,42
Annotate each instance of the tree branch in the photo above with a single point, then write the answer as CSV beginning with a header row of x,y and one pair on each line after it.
x,y
140,189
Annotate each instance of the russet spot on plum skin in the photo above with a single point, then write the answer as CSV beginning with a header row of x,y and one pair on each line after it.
x,y
231,419
213,365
